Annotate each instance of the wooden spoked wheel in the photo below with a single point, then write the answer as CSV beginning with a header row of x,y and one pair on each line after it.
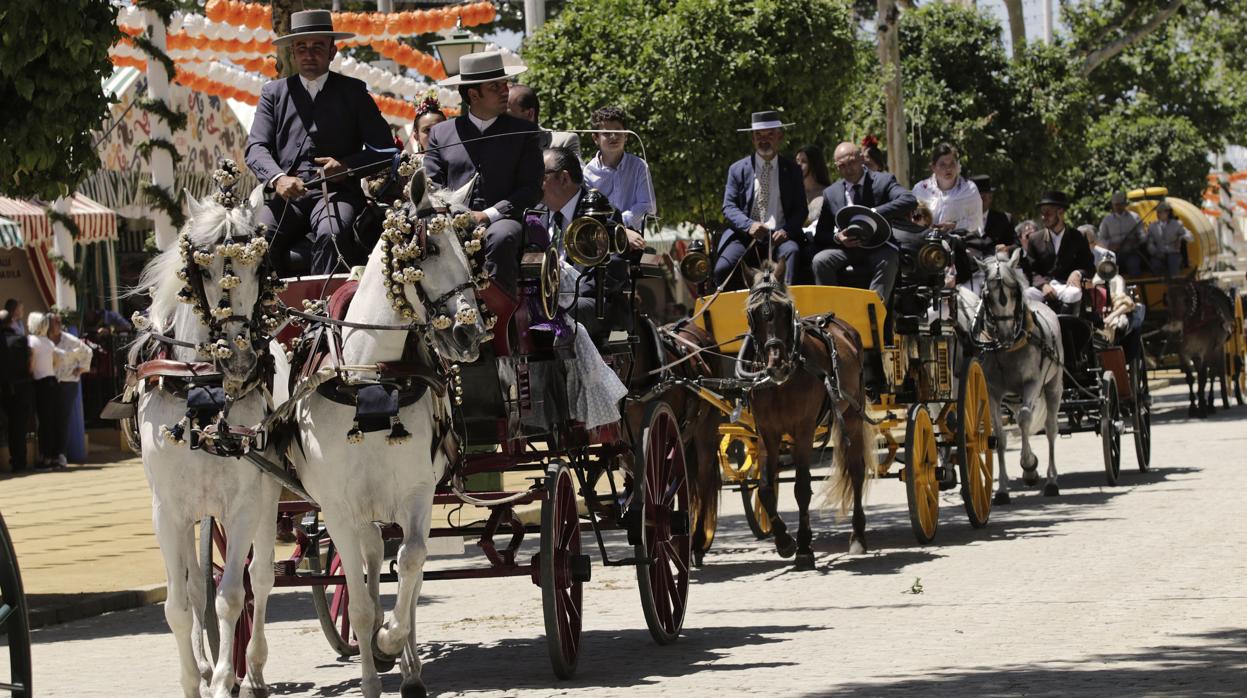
x,y
562,570
739,463
755,511
212,544
666,547
331,602
974,435
922,487
1141,415
1110,426
14,619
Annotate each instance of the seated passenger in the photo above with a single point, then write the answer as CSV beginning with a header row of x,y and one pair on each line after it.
x,y
620,175
876,191
1119,312
954,200
1038,256
1121,231
347,131
764,204
1164,241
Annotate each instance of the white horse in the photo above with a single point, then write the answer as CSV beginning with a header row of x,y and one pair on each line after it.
x,y
1019,339
205,293
372,477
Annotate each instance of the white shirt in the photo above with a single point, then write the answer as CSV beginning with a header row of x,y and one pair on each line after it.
x,y
44,355
314,87
77,355
961,205
1056,240
773,217
483,125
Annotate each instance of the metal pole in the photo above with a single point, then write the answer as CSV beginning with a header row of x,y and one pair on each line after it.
x,y
1047,21
534,16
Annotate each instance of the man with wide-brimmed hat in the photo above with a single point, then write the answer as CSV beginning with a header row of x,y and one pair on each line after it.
x,y
316,120
1121,231
834,249
997,228
489,159
1057,257
764,204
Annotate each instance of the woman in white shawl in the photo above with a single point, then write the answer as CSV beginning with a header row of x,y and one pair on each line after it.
x,y
954,200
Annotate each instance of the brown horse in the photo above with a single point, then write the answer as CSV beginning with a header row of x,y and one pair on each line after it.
x,y
1203,315
678,351
806,372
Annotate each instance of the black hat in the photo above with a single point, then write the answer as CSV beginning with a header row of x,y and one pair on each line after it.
x,y
983,182
311,23
1054,198
863,223
762,120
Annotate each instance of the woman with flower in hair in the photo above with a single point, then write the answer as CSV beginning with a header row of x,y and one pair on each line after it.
x,y
875,158
428,114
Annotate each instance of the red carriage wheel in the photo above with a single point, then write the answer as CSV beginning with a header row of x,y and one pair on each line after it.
x,y
331,608
561,570
212,545
665,545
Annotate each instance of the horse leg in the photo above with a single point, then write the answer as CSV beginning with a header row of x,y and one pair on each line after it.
x,y
1052,400
1188,370
1026,420
706,482
262,576
397,637
361,606
1201,369
239,529
1002,477
197,590
768,491
802,453
855,461
173,534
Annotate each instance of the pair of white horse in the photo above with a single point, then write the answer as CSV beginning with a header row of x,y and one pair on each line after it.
x,y
355,484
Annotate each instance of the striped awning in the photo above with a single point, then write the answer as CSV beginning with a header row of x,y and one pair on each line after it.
x,y
10,234
95,222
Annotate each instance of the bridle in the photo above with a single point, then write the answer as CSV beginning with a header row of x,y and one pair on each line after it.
x,y
986,333
763,299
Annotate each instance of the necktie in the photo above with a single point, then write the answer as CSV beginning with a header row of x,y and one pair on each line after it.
x,y
556,235
857,195
764,193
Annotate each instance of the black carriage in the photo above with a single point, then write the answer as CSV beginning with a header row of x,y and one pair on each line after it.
x,y
14,619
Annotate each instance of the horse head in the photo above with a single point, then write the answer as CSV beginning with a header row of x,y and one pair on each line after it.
x,y
773,322
1182,301
1002,301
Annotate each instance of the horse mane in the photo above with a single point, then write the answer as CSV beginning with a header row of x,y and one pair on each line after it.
x,y
209,224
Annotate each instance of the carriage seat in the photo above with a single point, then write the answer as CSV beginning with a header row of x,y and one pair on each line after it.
x,y
1076,336
340,300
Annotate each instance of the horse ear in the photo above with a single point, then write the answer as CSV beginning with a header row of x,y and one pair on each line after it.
x,y
417,187
750,274
194,205
1015,258
982,264
780,267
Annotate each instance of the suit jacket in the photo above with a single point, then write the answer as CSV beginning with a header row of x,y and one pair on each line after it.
x,y
617,277
510,166
290,130
880,191
1074,255
999,229
559,139
738,197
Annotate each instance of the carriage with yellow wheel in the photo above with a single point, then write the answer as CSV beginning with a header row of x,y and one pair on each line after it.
x,y
929,402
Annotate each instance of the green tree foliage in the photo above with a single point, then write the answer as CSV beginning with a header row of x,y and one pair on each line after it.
x,y
689,72
53,58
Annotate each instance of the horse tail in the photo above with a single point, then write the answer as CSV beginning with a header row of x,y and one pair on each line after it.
x,y
860,447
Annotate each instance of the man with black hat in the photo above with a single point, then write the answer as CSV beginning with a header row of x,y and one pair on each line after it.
x,y
997,228
764,204
1121,231
837,249
1061,255
489,159
316,120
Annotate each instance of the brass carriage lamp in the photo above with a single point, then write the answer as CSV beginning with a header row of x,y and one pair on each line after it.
x,y
460,44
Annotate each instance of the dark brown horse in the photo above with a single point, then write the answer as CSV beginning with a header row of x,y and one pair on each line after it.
x,y
1203,316
807,372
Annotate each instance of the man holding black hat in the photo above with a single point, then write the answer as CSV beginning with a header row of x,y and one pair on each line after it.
x,y
763,202
316,120
997,228
489,159
1122,232
838,246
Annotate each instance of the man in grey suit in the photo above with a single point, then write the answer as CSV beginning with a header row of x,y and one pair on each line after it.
x,y
493,155
522,102
307,122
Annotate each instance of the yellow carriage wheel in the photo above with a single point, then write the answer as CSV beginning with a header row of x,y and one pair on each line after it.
x,y
974,444
921,485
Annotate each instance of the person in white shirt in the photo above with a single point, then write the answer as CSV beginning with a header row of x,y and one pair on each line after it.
x,y
75,360
954,201
620,175
45,357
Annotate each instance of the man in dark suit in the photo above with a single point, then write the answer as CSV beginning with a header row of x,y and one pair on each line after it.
x,y
997,228
489,159
305,123
564,199
860,187
764,202
1070,250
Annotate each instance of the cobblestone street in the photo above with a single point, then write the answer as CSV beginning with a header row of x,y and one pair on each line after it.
x,y
1131,590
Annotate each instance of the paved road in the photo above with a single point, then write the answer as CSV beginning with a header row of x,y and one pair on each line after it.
x,y
1133,590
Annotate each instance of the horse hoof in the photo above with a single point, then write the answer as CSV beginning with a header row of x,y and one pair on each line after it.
x,y
382,661
804,562
785,546
698,557
1030,477
413,687
1001,498
1051,490
856,547
249,692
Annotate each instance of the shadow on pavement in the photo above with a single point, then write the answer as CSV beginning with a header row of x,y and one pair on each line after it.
x,y
1215,664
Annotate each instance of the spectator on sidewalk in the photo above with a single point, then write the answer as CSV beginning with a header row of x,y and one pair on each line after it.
x,y
17,316
16,389
45,357
75,361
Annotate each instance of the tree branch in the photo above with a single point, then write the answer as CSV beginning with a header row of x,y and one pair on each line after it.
x,y
1098,57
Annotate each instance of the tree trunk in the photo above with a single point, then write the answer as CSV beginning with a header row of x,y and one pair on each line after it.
x,y
889,52
282,9
1017,24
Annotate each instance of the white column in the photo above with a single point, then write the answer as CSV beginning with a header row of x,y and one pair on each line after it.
x,y
63,245
161,162
534,16
111,263
1047,21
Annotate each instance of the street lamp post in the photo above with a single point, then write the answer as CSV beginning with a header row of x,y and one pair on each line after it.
x,y
460,44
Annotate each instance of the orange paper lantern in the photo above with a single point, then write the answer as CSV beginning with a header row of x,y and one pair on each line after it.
x,y
215,10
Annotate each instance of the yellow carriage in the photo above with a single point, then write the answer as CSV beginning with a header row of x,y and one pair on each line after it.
x,y
931,411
